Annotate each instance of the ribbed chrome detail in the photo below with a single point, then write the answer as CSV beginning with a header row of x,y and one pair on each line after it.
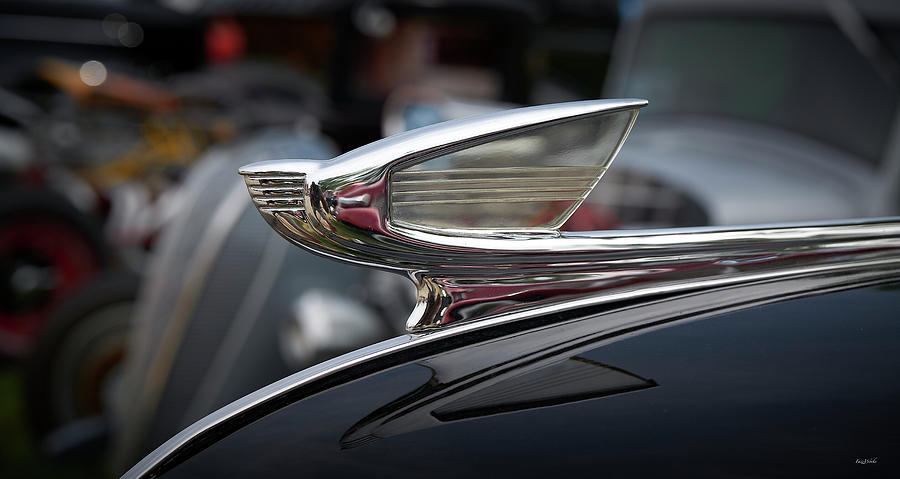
x,y
533,198
277,192
501,173
493,185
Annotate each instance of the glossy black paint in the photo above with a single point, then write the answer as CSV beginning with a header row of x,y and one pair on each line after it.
x,y
806,387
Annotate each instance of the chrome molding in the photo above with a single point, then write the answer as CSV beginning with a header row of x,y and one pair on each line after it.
x,y
577,270
717,270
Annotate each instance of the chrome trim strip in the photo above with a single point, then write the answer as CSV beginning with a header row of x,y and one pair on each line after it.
x,y
158,457
573,270
849,256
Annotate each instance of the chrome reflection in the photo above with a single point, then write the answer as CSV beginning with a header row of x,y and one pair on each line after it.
x,y
584,269
455,394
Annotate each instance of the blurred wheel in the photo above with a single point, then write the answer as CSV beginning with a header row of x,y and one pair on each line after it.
x,y
71,375
47,250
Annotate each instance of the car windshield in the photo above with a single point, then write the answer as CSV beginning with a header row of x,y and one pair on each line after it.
x,y
802,75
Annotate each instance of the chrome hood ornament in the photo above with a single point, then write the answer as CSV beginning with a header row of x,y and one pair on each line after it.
x,y
500,175
470,209
438,198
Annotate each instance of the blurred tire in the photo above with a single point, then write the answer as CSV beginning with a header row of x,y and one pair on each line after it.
x,y
48,249
74,365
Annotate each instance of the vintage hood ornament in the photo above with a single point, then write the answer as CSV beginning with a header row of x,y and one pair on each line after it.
x,y
470,209
439,198
509,174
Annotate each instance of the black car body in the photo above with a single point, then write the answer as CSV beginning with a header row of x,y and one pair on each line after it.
x,y
798,388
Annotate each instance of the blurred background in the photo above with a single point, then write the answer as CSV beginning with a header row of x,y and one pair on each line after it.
x,y
139,288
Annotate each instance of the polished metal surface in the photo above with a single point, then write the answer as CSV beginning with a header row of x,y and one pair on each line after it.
x,y
277,193
577,270
718,270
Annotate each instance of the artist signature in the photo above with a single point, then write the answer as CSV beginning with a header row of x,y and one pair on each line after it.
x,y
867,460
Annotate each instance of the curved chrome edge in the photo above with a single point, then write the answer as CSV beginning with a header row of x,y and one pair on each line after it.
x,y
871,258
145,467
440,137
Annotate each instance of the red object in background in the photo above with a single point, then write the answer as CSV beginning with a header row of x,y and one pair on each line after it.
x,y
591,217
66,259
225,40
587,217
